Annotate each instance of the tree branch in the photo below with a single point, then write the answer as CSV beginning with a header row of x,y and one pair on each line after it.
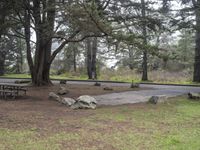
x,y
71,39
93,19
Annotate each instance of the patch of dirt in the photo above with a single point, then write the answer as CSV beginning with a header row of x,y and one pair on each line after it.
x,y
36,112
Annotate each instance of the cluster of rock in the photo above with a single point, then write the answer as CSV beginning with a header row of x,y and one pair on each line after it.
x,y
82,102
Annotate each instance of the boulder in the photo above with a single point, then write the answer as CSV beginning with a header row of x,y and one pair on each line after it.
x,y
108,89
135,85
63,81
62,90
68,101
97,84
85,102
54,96
65,101
195,96
157,99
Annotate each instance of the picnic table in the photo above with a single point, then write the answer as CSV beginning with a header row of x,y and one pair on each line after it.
x,y
12,89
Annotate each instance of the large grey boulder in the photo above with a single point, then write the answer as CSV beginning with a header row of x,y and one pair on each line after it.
x,y
157,99
85,102
62,90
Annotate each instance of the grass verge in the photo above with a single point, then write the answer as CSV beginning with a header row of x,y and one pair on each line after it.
x,y
174,125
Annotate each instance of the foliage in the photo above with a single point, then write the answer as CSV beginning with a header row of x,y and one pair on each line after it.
x,y
119,26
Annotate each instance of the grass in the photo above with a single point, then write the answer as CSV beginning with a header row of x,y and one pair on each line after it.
x,y
162,77
169,126
16,76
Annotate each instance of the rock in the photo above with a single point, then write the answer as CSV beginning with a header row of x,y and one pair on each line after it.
x,y
68,101
65,101
85,102
97,84
194,96
54,96
62,90
158,99
63,81
135,85
108,89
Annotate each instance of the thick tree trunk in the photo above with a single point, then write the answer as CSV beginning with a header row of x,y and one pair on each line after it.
x,y
2,64
42,76
91,58
144,32
2,30
196,75
44,25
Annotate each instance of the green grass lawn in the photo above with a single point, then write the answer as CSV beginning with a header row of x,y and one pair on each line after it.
x,y
113,78
62,76
169,126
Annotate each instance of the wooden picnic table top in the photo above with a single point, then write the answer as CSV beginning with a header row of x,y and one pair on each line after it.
x,y
14,85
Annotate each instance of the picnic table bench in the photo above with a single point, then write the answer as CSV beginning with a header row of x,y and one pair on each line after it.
x,y
12,89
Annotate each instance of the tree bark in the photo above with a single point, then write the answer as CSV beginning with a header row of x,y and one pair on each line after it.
x,y
196,74
91,57
74,58
2,30
2,64
44,27
144,32
130,64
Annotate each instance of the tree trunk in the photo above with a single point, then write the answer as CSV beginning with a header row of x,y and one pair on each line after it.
x,y
2,30
130,64
91,58
2,64
144,32
196,75
74,57
44,25
42,76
